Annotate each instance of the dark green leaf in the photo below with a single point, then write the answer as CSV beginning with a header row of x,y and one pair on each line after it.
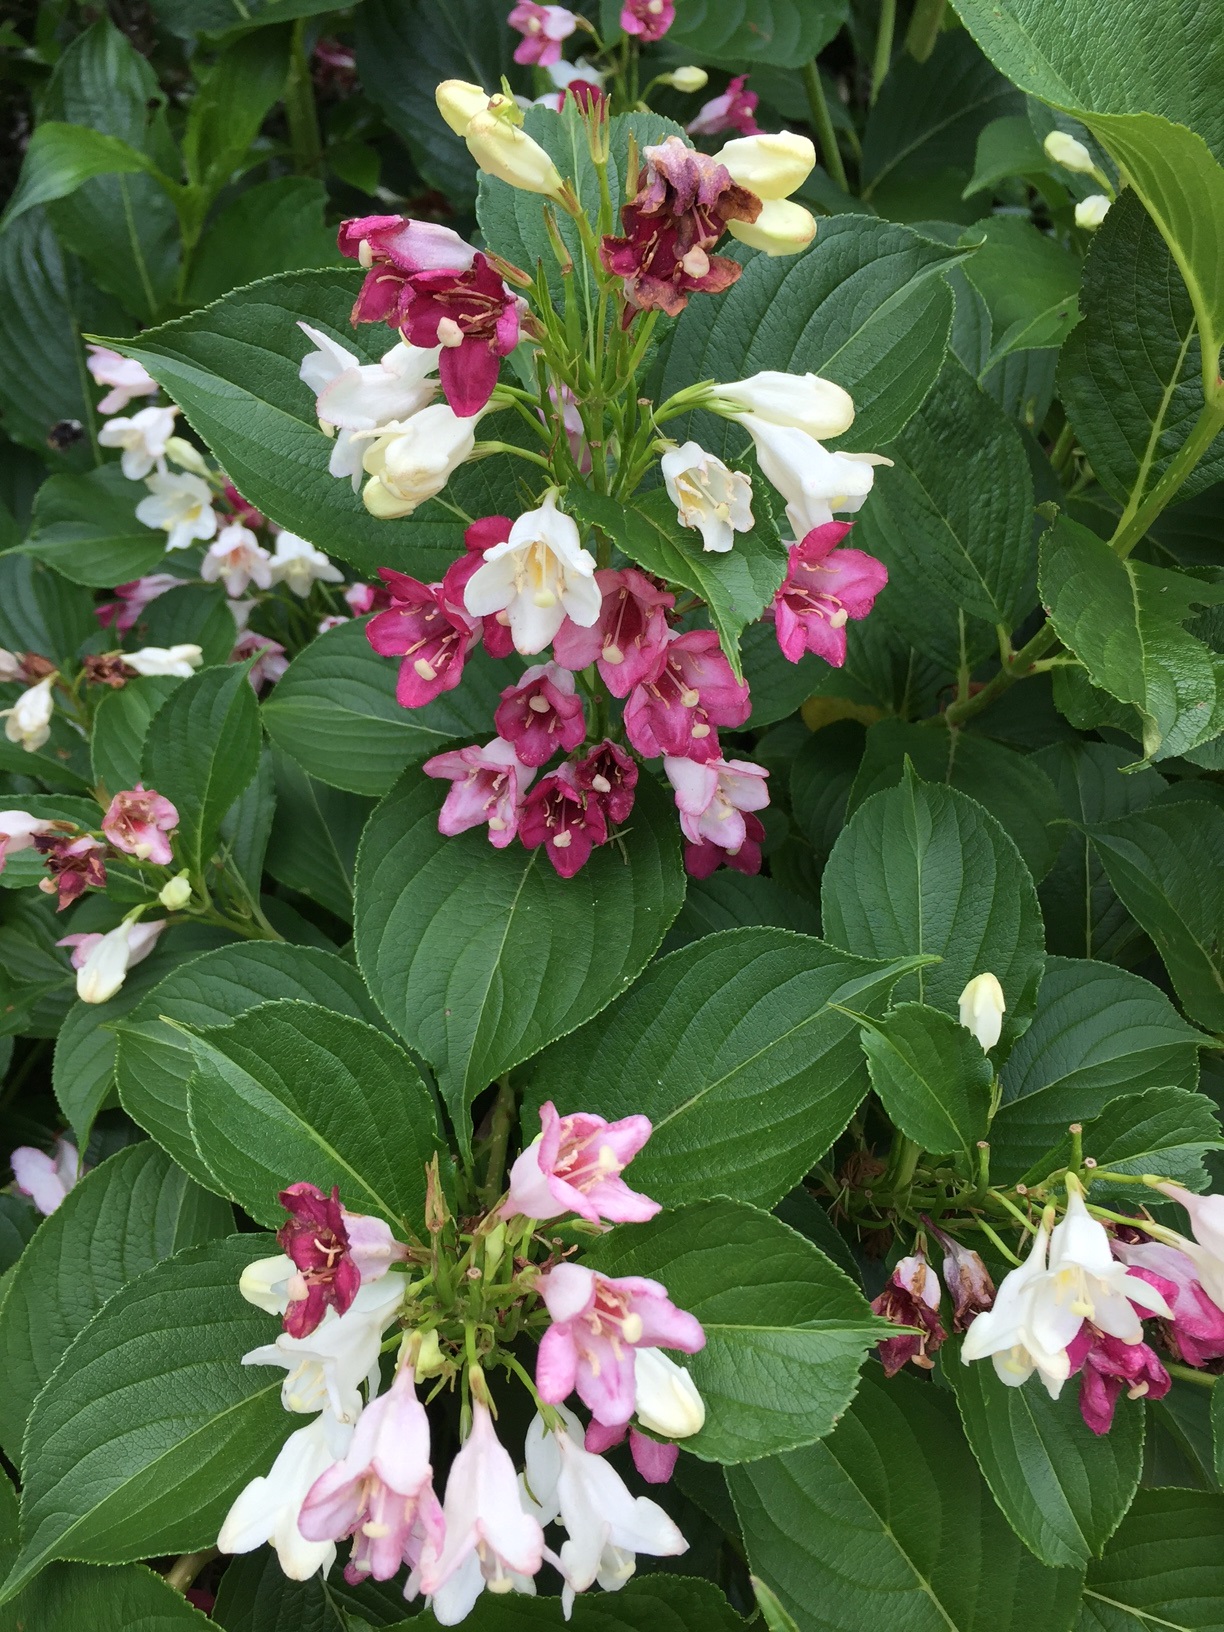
x,y
313,844
276,226
120,727
738,33
933,1079
234,96
197,613
1161,1571
1028,281
61,158
1165,1130
86,528
729,900
67,1597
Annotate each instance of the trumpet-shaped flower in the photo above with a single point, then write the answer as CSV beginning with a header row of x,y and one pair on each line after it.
x,y
488,785
298,564
109,959
334,1251
803,401
175,662
1207,1226
126,377
1088,1283
46,1179
181,506
267,1510
563,817
412,460
628,640
825,586
425,628
813,482
474,318
139,821
238,559
325,1369
598,1324
541,714
609,776
538,577
143,439
490,1540
1196,1332
707,495
675,712
735,109
647,20
543,28
575,1166
911,1298
713,797
666,1399
701,857
1007,1332
29,720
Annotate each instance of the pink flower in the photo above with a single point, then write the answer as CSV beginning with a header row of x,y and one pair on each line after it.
x,y
571,418
1109,1365
733,110
382,1491
629,638
676,711
575,1166
137,822
474,317
133,598
598,1323
713,797
911,1298
565,819
543,28
609,775
480,536
681,210
489,1538
335,1253
654,1459
541,714
488,786
430,632
82,946
75,865
649,20
46,1179
704,857
126,377
1196,1332
18,832
363,598
394,249
824,587
244,511
268,666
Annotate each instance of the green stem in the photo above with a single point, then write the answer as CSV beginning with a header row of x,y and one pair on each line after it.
x,y
1000,1244
822,124
883,47
300,108
183,1571
499,1138
1019,668
1064,447
1205,1379
1138,517
924,28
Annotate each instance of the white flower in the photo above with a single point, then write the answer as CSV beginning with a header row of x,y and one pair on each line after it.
x,y
298,564
490,1540
606,1525
176,662
143,439
46,1179
1090,212
819,407
1072,155
180,452
267,1509
239,558
770,164
665,1396
106,967
981,1009
29,720
707,495
538,577
17,830
10,665
1088,1283
327,1367
564,73
181,506
367,396
126,377
813,481
265,1283
1005,1332
415,458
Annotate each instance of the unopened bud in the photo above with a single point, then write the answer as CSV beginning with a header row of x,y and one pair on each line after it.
x,y
666,1397
10,666
1090,212
507,152
265,1283
185,456
687,80
1072,155
429,1360
459,102
437,1214
176,893
495,1247
769,165
782,228
981,1009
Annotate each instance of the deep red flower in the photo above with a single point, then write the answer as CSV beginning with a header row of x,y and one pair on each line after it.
x,y
317,1240
911,1298
75,865
541,714
565,819
480,536
1109,1366
474,317
609,775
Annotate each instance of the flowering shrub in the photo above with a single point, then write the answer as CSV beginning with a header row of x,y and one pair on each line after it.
x,y
611,838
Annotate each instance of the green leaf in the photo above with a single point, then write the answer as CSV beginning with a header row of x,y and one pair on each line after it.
x,y
152,1426
1167,865
1165,1130
198,613
67,1597
275,226
192,17
739,33
61,158
1161,1571
736,585
933,1079
730,900
1099,1034
154,1061
119,1220
201,751
86,528
334,710
923,869
1006,147
234,372
888,1523
786,1330
1124,621
313,844
1130,376
1063,1488
254,1596
120,726
752,1072
291,1091
1028,281
480,957
1015,791
650,1603
41,612
864,306
234,97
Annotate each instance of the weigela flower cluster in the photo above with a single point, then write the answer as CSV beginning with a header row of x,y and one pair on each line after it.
x,y
369,1323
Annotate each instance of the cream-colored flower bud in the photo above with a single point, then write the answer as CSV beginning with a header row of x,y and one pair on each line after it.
x,y
507,152
176,893
1072,155
459,102
1090,212
687,80
981,1009
666,1397
770,165
181,452
265,1283
782,228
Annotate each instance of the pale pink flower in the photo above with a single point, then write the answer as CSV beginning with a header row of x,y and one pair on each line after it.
x,y
46,1179
138,822
1196,1332
543,28
733,110
126,378
575,1166
237,558
488,785
133,598
17,832
712,798
269,665
648,20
